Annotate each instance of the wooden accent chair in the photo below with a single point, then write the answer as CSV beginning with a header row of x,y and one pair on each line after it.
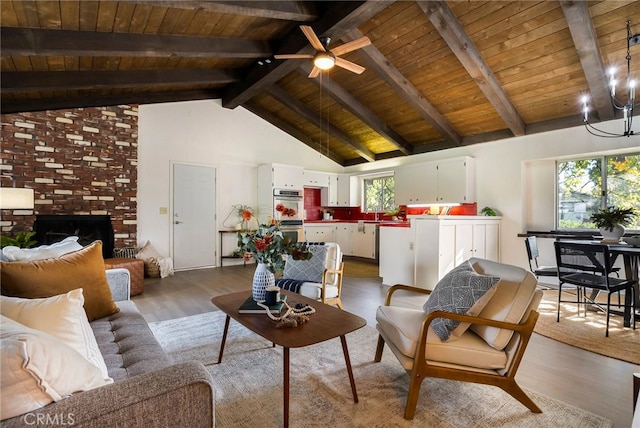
x,y
319,278
488,352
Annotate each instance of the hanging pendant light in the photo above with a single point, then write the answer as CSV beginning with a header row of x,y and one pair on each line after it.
x,y
627,106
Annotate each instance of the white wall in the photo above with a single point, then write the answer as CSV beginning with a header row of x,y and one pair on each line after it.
x,y
205,133
515,176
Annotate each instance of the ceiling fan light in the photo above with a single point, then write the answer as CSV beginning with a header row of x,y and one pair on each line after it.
x,y
324,60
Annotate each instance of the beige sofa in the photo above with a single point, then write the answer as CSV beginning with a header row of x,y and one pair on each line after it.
x,y
148,391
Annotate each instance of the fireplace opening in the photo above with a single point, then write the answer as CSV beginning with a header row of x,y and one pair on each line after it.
x,y
50,229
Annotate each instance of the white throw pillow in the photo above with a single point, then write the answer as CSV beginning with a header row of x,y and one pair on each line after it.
x,y
63,317
38,369
67,245
148,251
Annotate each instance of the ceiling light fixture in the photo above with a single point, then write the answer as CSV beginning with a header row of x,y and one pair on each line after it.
x,y
324,60
626,107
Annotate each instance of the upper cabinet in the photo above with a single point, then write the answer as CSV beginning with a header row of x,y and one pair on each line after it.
x,y
447,181
282,176
456,180
315,179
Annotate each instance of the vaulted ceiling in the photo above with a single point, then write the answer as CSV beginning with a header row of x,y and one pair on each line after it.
x,y
439,74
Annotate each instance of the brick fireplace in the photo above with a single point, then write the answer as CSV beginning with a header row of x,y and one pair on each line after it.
x,y
79,162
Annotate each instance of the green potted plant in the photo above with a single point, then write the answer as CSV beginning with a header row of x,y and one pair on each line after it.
x,y
611,221
20,240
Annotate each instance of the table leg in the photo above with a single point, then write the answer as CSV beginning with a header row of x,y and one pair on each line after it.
x,y
345,351
224,338
630,272
285,387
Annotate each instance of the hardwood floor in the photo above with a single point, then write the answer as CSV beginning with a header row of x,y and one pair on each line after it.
x,y
586,380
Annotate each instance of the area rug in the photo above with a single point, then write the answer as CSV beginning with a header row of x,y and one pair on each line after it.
x,y
248,385
587,332
360,269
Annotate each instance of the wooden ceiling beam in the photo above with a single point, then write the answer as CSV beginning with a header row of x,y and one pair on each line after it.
x,y
300,108
467,53
303,11
33,41
586,43
337,20
20,81
293,131
349,102
378,62
41,104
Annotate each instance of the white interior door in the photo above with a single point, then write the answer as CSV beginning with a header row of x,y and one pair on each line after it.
x,y
194,220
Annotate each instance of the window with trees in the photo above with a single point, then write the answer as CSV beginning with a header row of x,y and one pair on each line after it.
x,y
379,194
584,186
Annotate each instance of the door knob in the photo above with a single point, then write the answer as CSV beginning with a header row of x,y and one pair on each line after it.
x,y
177,222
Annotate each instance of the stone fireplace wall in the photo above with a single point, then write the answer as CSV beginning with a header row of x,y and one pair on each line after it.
x,y
80,161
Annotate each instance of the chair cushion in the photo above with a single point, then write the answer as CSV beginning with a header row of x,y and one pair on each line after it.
x,y
509,303
45,278
307,270
312,290
402,327
461,291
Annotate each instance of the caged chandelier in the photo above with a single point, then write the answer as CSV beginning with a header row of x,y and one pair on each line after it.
x,y
627,108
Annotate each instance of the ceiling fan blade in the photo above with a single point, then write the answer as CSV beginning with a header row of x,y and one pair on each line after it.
x,y
351,46
314,72
313,39
348,65
293,56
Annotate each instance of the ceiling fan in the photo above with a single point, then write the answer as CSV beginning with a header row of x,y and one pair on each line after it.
x,y
324,58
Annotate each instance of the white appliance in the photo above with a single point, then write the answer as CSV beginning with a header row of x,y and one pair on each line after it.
x,y
288,209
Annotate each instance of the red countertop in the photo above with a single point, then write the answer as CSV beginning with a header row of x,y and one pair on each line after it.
x,y
385,223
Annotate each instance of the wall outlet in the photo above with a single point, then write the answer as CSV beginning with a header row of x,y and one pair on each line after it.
x,y
164,210
411,246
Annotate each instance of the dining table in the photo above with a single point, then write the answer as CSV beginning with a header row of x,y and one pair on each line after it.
x,y
631,260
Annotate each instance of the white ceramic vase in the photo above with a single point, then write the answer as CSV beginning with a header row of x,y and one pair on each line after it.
x,y
262,278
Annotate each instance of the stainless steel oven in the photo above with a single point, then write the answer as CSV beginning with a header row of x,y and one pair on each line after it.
x,y
288,206
293,231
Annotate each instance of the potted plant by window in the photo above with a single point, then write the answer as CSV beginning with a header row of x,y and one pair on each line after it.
x,y
611,221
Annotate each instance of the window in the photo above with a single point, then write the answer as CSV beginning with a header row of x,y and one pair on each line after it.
x,y
586,185
379,194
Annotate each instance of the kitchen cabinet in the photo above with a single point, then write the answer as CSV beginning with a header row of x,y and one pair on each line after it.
x,y
319,233
446,181
456,180
315,179
396,255
281,176
342,192
416,184
363,243
443,242
344,232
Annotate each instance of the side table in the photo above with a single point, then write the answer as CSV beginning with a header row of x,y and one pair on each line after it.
x,y
135,268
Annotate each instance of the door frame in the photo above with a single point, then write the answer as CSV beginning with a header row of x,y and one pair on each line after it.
x,y
216,244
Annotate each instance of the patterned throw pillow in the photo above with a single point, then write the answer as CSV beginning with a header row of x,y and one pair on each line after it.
x,y
461,291
307,270
125,252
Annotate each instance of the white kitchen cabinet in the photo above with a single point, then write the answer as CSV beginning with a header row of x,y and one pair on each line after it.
x,y
443,242
447,181
416,184
346,193
316,178
344,232
281,176
456,180
319,233
363,244
396,255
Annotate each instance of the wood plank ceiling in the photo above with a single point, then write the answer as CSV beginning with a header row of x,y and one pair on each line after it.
x,y
439,74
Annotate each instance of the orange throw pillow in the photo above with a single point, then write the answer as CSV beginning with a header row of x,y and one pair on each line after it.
x,y
49,277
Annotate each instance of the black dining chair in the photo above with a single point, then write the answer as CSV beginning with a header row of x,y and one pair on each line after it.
x,y
531,244
592,265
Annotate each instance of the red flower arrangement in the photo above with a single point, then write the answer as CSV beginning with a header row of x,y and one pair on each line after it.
x,y
284,211
268,245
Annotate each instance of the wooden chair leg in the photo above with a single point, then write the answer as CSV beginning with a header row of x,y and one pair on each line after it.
x,y
379,349
413,395
513,389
